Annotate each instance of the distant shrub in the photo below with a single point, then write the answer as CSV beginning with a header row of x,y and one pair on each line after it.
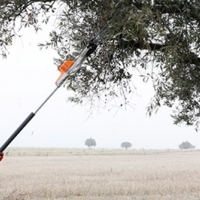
x,y
186,145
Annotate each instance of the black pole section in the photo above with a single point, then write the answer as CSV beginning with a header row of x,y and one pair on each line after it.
x,y
18,130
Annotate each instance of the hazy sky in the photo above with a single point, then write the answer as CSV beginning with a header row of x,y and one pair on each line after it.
x,y
28,76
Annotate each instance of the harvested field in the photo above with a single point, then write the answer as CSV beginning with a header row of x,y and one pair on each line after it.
x,y
59,174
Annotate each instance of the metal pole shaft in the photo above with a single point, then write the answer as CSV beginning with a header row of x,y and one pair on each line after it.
x,y
46,99
18,130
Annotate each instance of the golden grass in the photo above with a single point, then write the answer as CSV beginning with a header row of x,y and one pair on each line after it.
x,y
100,174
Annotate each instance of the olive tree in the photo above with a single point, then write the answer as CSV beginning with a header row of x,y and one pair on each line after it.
x,y
159,38
90,142
126,145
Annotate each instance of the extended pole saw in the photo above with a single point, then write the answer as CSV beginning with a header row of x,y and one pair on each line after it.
x,y
68,68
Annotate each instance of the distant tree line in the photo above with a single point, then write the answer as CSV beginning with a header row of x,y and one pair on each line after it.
x,y
90,142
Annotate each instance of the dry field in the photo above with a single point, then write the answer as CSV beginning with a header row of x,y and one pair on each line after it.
x,y
62,174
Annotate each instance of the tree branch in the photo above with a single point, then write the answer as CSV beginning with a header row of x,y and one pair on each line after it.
x,y
140,45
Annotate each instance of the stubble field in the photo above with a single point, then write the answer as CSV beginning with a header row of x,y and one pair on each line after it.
x,y
52,174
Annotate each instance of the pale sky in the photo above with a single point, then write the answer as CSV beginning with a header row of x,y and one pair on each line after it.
x,y
28,76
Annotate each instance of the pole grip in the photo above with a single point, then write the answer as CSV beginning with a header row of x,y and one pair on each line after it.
x,y
18,130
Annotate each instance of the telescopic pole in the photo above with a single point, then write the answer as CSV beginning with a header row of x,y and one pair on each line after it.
x,y
75,66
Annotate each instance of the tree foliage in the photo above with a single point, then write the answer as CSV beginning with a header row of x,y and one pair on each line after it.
x,y
90,142
161,39
24,13
126,145
186,145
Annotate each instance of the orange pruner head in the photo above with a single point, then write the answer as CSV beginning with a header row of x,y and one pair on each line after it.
x,y
65,67
1,156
